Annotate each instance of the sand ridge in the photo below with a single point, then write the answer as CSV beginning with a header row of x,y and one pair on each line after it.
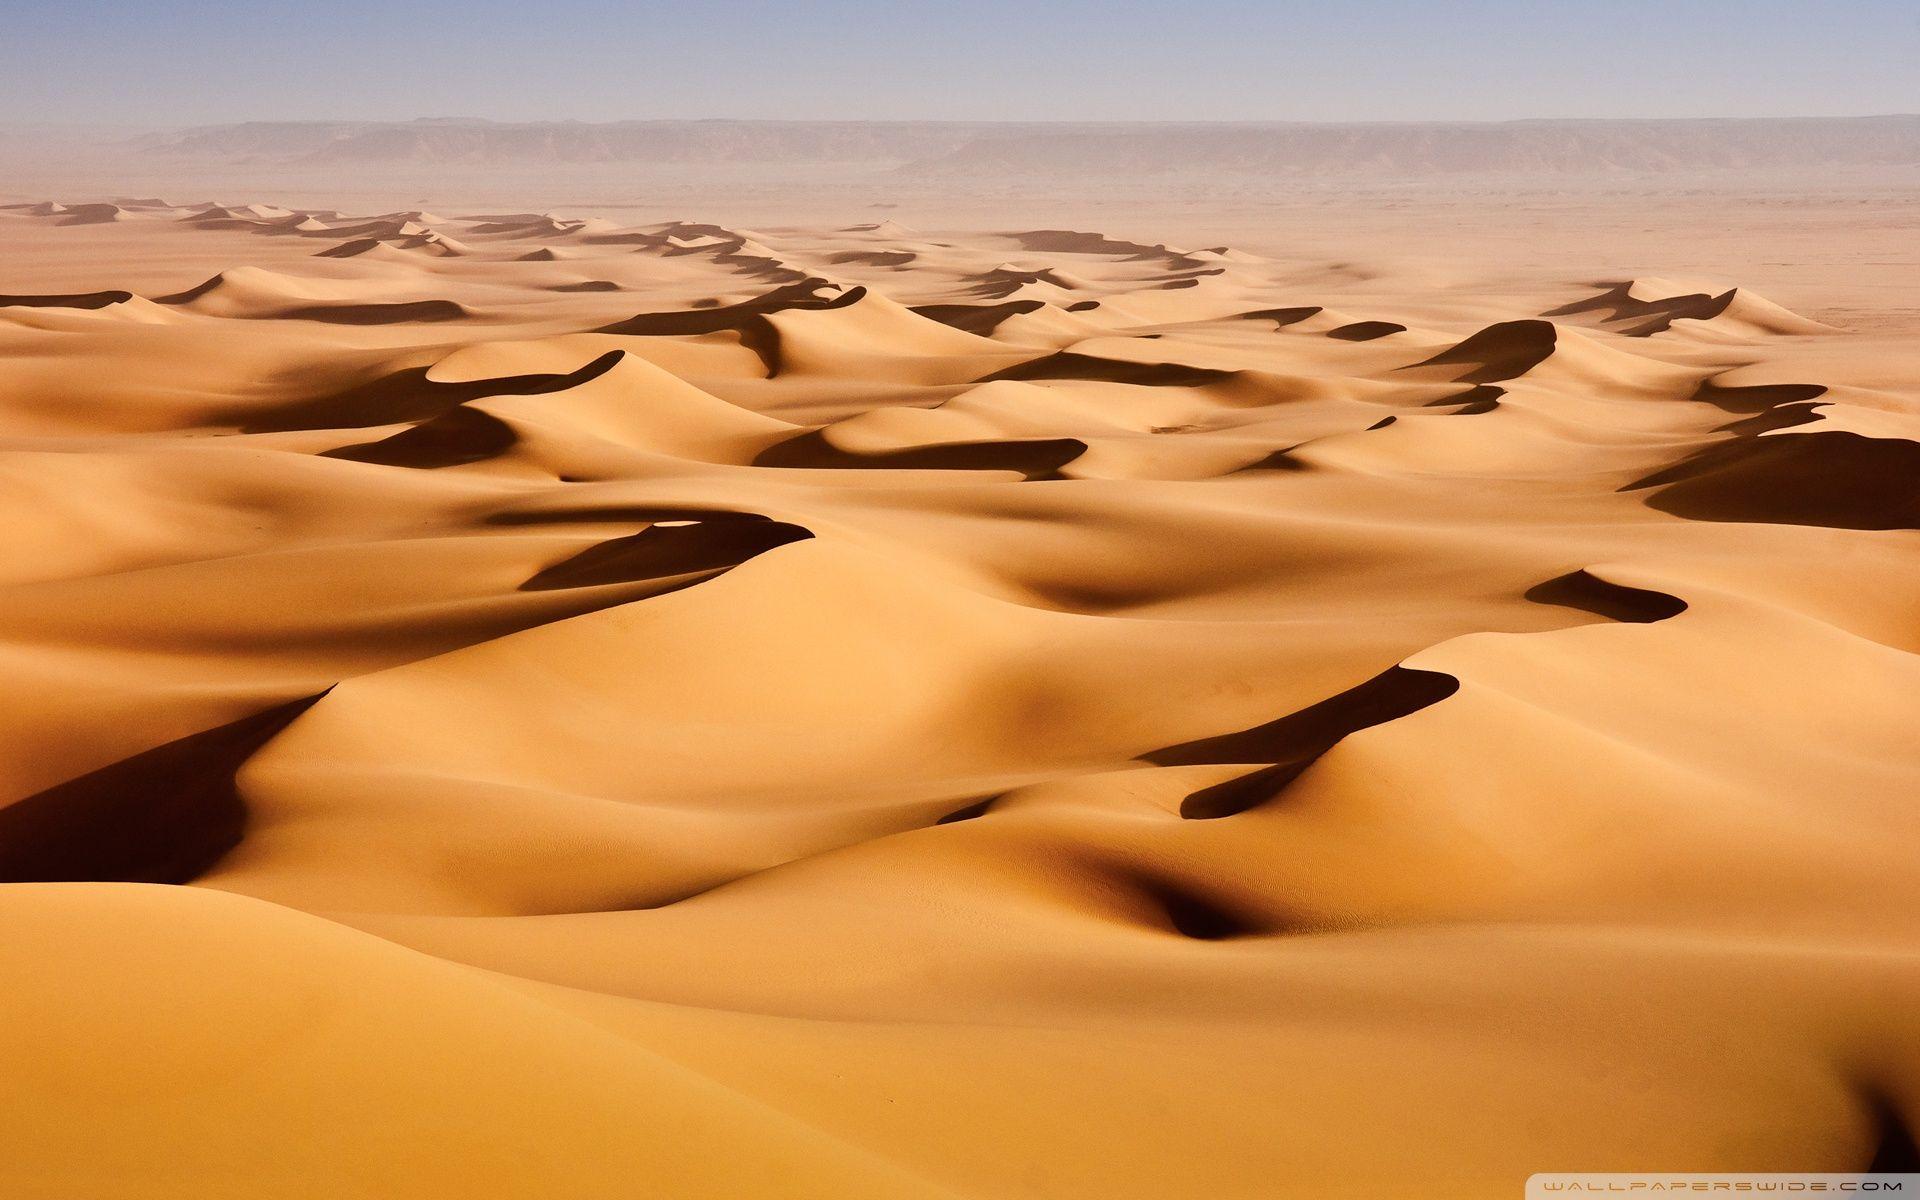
x,y
509,704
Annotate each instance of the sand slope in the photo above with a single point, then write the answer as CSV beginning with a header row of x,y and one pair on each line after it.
x,y
506,705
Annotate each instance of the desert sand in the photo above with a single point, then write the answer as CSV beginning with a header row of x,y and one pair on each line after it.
x,y
526,704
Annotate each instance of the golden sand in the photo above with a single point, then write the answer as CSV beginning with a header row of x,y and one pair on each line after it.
x,y
863,712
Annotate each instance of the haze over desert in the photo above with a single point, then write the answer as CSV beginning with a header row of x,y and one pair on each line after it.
x,y
989,659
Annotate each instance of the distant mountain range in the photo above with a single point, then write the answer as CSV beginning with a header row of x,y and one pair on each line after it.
x,y
471,141
946,148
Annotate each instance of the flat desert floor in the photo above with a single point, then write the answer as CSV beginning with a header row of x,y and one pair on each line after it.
x,y
510,705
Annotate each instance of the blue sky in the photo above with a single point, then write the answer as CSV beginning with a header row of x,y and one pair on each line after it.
x,y
188,61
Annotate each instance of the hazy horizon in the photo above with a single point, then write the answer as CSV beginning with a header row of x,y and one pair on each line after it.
x,y
1065,123
187,62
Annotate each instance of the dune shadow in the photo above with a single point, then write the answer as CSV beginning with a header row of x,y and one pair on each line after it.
x,y
968,812
1282,317
1836,479
456,438
1758,398
400,313
1278,460
617,514
84,300
1654,316
1038,458
352,249
1894,1149
1587,592
1294,742
1070,241
803,296
1067,365
1839,480
873,258
1481,398
162,816
980,319
1192,913
666,552
193,293
1366,331
747,318
1499,352
409,395
1780,416
92,214
1002,282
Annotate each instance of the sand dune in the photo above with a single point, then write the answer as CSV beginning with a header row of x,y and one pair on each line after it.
x,y
1642,308
515,705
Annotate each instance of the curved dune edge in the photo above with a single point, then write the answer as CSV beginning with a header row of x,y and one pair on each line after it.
x,y
192,985
511,704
